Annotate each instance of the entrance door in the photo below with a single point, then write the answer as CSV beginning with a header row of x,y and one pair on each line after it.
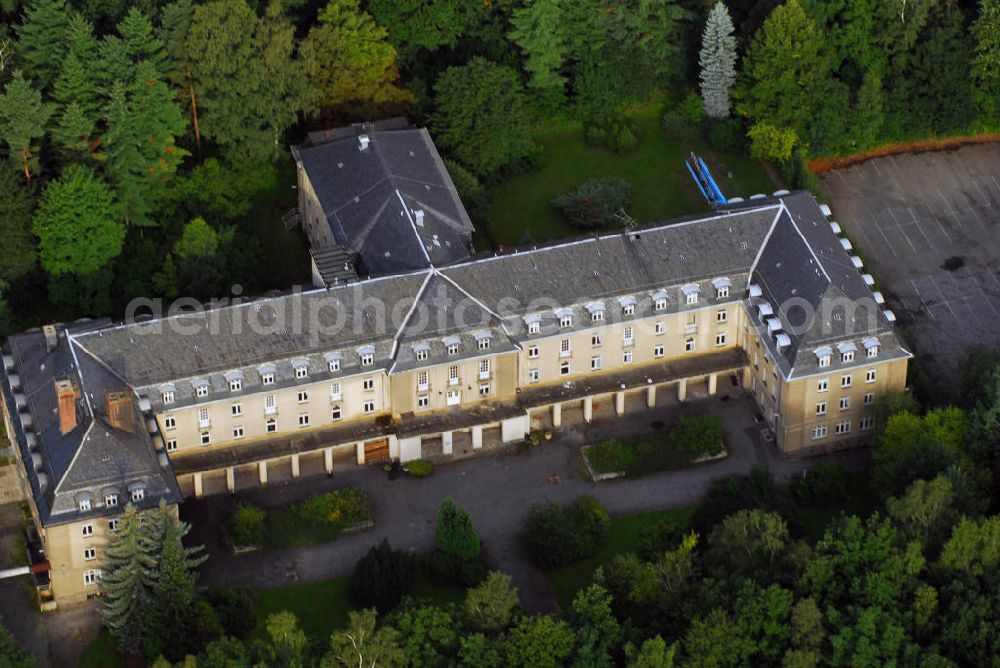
x,y
454,397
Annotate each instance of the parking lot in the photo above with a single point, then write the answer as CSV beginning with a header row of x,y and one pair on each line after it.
x,y
927,227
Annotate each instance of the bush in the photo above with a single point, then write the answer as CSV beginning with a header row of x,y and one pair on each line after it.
x,y
447,570
824,485
420,468
247,525
656,539
697,435
726,135
616,133
455,533
611,455
692,109
381,578
757,490
343,506
595,203
554,535
235,608
675,126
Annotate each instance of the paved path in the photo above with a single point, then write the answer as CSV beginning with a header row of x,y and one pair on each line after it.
x,y
497,489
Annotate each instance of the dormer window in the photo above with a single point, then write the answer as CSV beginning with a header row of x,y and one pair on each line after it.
x,y
267,378
422,355
201,390
301,372
367,359
628,309
111,500
847,357
722,286
565,321
871,347
236,384
690,293
84,504
628,305
597,316
168,396
484,343
846,351
138,494
534,327
660,304
332,362
824,360
452,345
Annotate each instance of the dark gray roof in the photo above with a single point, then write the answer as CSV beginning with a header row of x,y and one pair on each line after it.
x,y
92,458
372,196
334,264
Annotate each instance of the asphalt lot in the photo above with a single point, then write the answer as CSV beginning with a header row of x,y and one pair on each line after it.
x,y
926,225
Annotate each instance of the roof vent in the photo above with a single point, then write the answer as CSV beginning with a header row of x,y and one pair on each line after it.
x,y
835,226
825,209
889,315
877,296
51,337
418,217
755,290
363,141
782,340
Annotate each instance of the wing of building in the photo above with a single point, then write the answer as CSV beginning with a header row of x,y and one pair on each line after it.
x,y
446,351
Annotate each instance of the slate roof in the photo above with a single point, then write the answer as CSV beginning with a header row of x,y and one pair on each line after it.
x,y
94,457
391,204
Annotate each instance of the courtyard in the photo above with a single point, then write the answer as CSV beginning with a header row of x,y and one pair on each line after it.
x,y
926,226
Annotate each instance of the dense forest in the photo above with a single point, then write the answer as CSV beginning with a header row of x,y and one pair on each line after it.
x,y
155,131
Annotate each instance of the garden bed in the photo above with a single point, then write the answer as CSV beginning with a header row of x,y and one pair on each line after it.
x,y
318,519
695,439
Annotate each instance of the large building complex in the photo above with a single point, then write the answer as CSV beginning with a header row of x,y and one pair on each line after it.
x,y
437,349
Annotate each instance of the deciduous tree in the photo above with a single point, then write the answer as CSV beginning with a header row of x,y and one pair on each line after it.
x,y
363,644
492,604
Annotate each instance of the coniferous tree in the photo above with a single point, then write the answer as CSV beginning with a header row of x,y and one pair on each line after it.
x,y
175,22
129,572
718,62
455,535
20,249
539,30
41,39
23,116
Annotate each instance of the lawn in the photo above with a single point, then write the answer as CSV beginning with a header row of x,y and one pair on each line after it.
x,y
101,653
625,535
320,606
662,188
286,254
318,519
692,437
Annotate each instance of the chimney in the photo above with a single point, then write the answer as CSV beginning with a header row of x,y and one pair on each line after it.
x,y
51,337
118,407
363,141
66,396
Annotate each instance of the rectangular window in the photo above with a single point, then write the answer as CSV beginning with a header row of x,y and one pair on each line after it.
x,y
267,378
369,407
824,361
113,525
866,423
236,384
454,397
661,327
87,530
303,419
453,348
484,390
660,304
821,408
870,376
692,298
484,369
422,355
597,316
595,363
110,500
172,445
269,406
845,403
566,321
453,375
422,381
845,381
271,425
720,339
237,409
368,384
301,372
843,427
203,418
484,344
335,394
237,432
722,316
168,397
201,391
628,336
564,369
532,352
595,340
84,505
627,357
722,292
819,432
169,422
423,402
869,398
91,577
689,345
564,348
368,359
872,352
206,438
628,309
138,494
532,375
823,385
335,413
534,327
303,396
847,357
658,351
334,365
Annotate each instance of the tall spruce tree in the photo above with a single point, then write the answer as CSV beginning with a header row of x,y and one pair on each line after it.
x,y
539,29
23,117
175,22
41,39
718,62
129,573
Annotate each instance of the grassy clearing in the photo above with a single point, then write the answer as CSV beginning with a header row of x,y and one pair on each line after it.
x,y
662,188
101,653
625,535
318,519
320,606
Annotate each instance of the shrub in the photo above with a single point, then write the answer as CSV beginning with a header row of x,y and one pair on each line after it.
x,y
616,133
343,506
692,109
247,525
697,435
595,203
235,608
420,468
381,578
656,539
726,135
446,569
675,126
824,485
455,533
611,455
554,535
